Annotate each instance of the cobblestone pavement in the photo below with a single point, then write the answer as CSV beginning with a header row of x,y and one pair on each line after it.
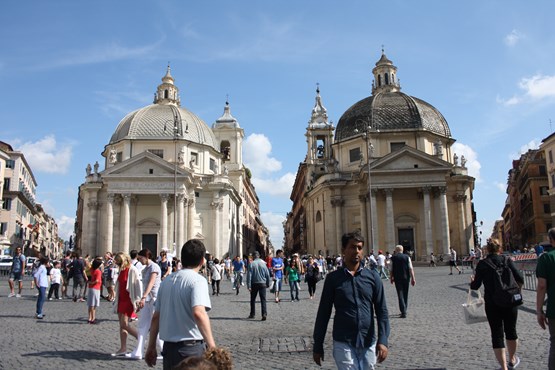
x,y
433,336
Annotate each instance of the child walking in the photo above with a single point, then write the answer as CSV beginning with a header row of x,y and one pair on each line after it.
x,y
93,298
55,281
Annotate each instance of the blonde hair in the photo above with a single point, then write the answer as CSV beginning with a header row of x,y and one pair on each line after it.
x,y
124,258
493,246
399,248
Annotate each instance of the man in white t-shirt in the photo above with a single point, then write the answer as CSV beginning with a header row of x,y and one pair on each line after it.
x,y
381,265
453,261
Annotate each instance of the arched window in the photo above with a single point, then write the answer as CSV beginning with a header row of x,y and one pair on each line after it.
x,y
379,80
165,94
225,149
318,216
387,78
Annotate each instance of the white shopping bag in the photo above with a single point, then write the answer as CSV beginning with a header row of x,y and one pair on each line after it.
x,y
474,308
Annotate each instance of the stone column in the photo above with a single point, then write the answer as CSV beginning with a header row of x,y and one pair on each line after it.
x,y
191,218
389,221
217,205
126,222
180,224
374,219
463,240
428,220
93,227
338,204
164,221
444,219
109,224
363,221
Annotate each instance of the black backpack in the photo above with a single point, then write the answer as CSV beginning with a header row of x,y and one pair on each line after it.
x,y
506,292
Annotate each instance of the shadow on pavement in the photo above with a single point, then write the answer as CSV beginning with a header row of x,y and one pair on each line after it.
x,y
82,356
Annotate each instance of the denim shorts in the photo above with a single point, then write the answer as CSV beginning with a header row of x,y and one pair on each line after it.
x,y
16,275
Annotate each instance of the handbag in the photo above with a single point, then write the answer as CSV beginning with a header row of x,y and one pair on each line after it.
x,y
474,308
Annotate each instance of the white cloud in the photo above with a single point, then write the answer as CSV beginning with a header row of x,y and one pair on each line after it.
x,y
538,86
274,223
532,144
535,88
46,155
513,38
508,102
277,187
99,54
256,155
472,163
65,226
501,186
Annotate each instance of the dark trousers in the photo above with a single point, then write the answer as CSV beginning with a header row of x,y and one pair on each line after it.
x,y
258,288
215,286
174,353
54,289
501,320
402,287
311,286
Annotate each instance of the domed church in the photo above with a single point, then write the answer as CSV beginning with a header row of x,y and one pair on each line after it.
x,y
388,170
168,177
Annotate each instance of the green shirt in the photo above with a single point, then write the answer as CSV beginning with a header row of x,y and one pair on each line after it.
x,y
546,269
293,274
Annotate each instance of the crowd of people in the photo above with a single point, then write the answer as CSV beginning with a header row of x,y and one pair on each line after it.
x,y
155,290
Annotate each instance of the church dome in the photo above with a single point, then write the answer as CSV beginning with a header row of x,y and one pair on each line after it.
x,y
157,121
388,109
391,111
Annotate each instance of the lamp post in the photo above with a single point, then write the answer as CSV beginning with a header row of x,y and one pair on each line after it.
x,y
177,130
369,154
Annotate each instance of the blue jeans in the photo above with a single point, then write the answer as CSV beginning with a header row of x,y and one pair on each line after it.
x,y
294,287
352,358
40,299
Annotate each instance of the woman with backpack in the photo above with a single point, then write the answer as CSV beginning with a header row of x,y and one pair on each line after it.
x,y
502,282
312,275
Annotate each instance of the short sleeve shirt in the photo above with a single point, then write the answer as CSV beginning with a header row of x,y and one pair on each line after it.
x,y
17,263
148,270
277,262
546,269
178,294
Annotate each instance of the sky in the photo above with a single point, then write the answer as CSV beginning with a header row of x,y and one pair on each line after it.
x,y
71,70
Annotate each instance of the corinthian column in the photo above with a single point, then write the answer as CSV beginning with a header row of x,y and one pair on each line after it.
x,y
428,220
109,224
191,218
389,221
93,226
363,220
338,204
126,222
444,219
164,220
180,224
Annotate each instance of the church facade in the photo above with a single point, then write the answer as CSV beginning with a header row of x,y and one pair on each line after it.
x,y
168,177
388,170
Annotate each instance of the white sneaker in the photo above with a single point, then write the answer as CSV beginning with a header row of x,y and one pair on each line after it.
x,y
18,295
133,356
11,295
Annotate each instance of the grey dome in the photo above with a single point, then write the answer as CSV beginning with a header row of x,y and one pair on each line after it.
x,y
386,111
148,124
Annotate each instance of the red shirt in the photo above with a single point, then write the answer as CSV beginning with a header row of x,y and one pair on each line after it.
x,y
96,276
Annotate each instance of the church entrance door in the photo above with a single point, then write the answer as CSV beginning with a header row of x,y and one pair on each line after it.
x,y
406,239
150,241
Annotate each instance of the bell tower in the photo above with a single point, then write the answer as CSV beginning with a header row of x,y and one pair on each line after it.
x,y
319,138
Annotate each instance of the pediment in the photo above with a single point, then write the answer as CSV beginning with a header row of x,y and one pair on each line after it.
x,y
409,158
142,165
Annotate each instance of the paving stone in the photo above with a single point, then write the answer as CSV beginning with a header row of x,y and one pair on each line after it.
x,y
433,336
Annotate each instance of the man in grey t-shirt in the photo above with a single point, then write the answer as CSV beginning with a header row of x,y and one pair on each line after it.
x,y
181,311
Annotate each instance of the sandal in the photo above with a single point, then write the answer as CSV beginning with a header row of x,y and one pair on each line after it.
x,y
118,354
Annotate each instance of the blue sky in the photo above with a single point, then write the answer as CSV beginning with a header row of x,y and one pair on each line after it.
x,y
70,71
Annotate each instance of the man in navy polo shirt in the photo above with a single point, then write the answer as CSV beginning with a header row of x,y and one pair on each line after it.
x,y
357,294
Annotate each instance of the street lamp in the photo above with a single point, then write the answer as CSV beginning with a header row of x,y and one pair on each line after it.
x,y
177,123
370,154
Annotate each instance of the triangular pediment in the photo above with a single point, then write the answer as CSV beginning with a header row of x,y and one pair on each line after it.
x,y
141,165
408,158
